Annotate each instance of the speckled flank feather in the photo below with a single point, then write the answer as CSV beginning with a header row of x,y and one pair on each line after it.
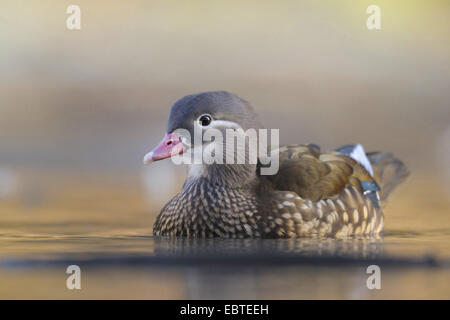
x,y
349,214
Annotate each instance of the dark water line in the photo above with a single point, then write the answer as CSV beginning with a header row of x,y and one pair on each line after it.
x,y
215,260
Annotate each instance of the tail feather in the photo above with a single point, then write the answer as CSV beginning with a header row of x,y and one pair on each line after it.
x,y
388,170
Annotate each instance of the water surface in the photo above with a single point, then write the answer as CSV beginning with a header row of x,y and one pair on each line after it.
x,y
105,228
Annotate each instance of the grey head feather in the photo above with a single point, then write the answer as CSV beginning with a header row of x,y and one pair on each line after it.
x,y
220,105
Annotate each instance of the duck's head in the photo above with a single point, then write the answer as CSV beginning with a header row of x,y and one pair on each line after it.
x,y
218,110
205,112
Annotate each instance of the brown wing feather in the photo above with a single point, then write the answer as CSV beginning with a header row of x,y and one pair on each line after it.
x,y
314,175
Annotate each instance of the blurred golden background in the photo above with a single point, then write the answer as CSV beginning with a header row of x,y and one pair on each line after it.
x,y
80,108
89,103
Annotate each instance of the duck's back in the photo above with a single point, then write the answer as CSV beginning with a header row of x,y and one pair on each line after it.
x,y
331,194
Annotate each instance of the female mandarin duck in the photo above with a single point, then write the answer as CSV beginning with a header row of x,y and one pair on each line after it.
x,y
331,194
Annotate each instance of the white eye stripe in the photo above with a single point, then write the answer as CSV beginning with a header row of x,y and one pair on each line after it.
x,y
225,123
218,123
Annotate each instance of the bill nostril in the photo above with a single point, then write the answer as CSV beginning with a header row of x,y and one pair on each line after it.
x,y
169,142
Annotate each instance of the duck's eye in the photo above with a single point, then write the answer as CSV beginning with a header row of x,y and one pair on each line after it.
x,y
205,120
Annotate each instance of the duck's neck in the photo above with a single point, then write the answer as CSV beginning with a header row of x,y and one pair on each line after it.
x,y
227,175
